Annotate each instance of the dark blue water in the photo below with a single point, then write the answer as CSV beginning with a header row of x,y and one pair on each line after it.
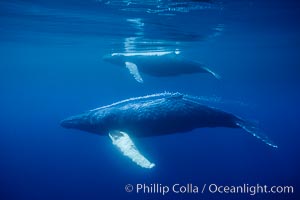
x,y
51,68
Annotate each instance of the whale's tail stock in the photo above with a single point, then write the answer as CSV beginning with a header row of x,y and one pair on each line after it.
x,y
253,129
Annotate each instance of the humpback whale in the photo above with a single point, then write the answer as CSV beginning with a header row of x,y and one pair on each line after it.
x,y
159,64
154,115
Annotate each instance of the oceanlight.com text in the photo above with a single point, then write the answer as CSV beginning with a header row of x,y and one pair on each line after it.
x,y
250,189
190,188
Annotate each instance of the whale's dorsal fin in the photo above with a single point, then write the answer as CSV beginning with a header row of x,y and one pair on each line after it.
x,y
133,69
127,147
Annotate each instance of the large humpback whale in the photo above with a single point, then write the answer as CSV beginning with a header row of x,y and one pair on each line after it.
x,y
159,64
153,115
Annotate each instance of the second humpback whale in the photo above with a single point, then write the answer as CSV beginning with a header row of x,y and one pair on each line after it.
x,y
153,115
159,64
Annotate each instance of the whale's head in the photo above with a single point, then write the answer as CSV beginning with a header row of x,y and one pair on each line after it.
x,y
76,122
83,122
114,58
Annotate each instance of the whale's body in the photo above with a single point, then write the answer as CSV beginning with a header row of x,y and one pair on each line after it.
x,y
153,115
159,64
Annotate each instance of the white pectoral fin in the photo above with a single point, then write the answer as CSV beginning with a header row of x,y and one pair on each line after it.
x,y
125,144
133,69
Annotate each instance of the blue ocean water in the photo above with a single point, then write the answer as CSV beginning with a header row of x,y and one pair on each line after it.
x,y
51,68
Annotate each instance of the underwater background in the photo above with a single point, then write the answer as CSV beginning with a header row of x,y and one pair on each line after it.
x,y
51,67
